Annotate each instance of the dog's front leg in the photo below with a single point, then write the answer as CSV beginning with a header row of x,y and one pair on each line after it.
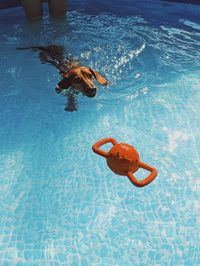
x,y
71,104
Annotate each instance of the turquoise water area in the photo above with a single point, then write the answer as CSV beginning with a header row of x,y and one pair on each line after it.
x,y
60,204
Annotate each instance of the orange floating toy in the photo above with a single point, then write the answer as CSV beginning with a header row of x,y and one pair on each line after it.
x,y
123,159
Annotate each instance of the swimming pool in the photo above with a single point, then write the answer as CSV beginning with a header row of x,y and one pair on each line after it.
x,y
60,204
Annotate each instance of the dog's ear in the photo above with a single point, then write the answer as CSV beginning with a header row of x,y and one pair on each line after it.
x,y
65,83
98,77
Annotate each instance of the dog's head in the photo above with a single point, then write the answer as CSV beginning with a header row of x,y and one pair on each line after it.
x,y
82,79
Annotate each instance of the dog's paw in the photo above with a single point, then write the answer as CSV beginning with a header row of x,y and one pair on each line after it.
x,y
70,109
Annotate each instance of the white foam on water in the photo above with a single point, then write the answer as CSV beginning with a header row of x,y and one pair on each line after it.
x,y
175,139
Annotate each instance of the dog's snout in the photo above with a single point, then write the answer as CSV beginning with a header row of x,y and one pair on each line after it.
x,y
90,91
91,95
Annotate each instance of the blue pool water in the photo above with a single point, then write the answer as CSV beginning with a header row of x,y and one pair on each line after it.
x,y
60,204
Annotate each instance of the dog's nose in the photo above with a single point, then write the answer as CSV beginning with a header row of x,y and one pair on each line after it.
x,y
91,90
91,95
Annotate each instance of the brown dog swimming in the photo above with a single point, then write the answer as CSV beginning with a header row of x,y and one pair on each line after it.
x,y
81,79
75,76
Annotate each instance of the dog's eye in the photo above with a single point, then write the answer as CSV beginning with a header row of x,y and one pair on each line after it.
x,y
89,76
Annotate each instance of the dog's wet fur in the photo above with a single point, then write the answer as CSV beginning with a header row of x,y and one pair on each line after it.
x,y
75,76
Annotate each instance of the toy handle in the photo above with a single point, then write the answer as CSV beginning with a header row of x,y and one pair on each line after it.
x,y
99,143
148,179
